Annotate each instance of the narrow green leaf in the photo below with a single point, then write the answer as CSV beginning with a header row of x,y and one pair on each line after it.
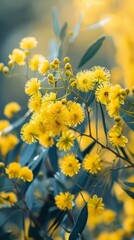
x,y
88,149
76,29
27,153
91,51
103,121
53,157
129,184
63,32
129,193
55,20
80,224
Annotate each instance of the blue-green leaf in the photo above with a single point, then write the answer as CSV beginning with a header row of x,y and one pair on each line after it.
x,y
55,20
127,113
129,184
63,32
53,157
103,121
76,29
91,51
89,148
27,153
80,224
129,193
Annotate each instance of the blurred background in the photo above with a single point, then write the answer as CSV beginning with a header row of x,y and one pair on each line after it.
x,y
113,18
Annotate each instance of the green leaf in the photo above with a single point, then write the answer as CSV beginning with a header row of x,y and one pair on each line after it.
x,y
91,51
27,153
53,157
129,184
55,20
127,113
80,224
129,193
88,149
76,29
63,32
103,121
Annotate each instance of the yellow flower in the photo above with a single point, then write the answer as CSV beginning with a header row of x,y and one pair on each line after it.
x,y
128,224
13,170
95,205
46,140
64,201
57,117
84,81
76,114
8,198
29,133
69,165
7,143
34,103
116,137
28,43
44,67
18,56
11,108
35,61
108,216
100,74
113,108
66,141
49,97
92,163
32,86
102,93
26,174
4,124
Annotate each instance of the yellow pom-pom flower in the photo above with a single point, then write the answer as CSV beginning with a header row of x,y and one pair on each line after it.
x,y
4,124
28,43
76,114
92,163
8,198
18,56
102,93
35,61
116,137
34,103
32,86
100,74
108,216
44,67
46,140
11,108
84,81
13,170
26,174
113,108
66,141
29,133
7,143
95,205
69,165
64,201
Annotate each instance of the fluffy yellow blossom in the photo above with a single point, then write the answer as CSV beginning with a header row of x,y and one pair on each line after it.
x,y
4,124
92,163
8,198
115,92
1,66
69,165
116,235
26,174
116,137
64,201
29,133
100,74
44,67
108,216
32,86
34,103
28,43
35,61
66,141
76,114
113,108
13,170
84,81
128,224
57,117
95,205
46,140
11,108
18,56
102,93
7,143
49,97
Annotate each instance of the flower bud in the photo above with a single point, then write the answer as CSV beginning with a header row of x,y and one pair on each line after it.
x,y
5,70
2,165
68,66
56,61
66,59
1,66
